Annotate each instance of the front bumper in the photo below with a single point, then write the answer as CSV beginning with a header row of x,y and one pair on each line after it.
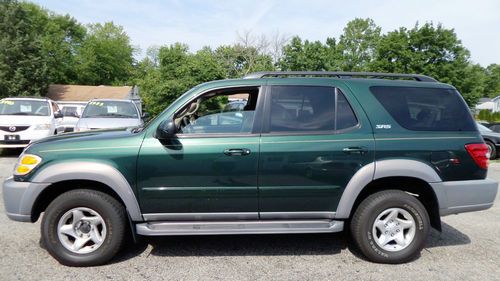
x,y
465,196
25,137
19,198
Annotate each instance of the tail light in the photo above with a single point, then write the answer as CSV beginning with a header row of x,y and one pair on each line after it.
x,y
479,152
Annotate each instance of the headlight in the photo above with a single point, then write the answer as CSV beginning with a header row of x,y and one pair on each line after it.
x,y
42,127
26,163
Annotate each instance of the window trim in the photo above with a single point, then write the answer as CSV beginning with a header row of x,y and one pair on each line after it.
x,y
267,115
256,126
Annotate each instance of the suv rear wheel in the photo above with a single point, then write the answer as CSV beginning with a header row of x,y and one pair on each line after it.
x,y
390,227
83,227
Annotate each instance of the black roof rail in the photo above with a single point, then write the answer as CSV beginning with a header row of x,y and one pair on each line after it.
x,y
338,74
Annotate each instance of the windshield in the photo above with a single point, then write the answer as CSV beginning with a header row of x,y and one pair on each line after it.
x,y
110,109
24,107
483,128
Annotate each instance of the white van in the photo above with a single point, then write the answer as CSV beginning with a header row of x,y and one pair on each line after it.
x,y
71,114
23,120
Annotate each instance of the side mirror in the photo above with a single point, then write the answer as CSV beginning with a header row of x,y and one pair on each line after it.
x,y
166,130
58,114
145,115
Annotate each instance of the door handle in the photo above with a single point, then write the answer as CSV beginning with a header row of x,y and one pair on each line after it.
x,y
354,150
237,151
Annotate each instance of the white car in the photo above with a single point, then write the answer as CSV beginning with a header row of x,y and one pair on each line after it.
x,y
109,113
71,114
23,120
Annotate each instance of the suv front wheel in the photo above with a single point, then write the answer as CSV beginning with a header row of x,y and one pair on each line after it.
x,y
390,226
83,227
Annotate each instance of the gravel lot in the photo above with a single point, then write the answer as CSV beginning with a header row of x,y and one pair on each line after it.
x,y
467,249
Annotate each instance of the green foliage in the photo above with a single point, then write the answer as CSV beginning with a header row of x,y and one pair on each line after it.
x,y
431,50
60,37
312,56
492,81
105,56
38,47
358,44
177,72
23,70
487,115
239,60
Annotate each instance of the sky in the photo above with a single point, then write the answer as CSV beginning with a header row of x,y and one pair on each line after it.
x,y
214,23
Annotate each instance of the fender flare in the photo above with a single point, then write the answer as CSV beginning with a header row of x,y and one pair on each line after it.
x,y
100,172
378,170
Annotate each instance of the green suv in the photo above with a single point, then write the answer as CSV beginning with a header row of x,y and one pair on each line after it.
x,y
380,155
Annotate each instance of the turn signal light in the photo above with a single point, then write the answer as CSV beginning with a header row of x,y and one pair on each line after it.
x,y
29,160
26,163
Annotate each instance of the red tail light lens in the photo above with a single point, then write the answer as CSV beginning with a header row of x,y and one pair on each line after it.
x,y
479,152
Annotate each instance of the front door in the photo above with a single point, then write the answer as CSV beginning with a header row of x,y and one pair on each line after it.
x,y
209,170
313,143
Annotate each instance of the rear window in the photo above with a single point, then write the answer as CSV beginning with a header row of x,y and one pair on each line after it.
x,y
309,108
425,109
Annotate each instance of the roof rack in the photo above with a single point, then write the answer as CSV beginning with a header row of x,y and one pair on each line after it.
x,y
338,74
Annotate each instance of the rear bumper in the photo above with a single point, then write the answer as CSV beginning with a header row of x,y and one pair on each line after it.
x,y
19,197
465,196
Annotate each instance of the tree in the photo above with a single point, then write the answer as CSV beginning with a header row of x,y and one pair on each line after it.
x,y
177,71
105,57
23,70
431,50
298,55
358,44
60,37
492,81
239,60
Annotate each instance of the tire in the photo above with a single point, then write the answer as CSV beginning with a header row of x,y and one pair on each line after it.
x,y
387,215
99,233
492,149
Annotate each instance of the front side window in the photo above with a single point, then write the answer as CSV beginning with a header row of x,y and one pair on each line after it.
x,y
309,108
229,112
110,109
24,107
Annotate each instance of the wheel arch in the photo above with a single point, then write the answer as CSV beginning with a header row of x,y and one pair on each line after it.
x,y
98,176
411,176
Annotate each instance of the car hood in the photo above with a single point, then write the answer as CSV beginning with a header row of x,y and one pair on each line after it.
x,y
23,120
86,140
104,123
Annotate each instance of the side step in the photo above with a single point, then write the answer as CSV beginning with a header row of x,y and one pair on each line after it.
x,y
239,227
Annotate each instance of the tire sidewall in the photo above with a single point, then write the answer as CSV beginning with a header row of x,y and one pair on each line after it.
x,y
51,240
419,214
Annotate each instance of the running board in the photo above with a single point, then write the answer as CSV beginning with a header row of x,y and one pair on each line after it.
x,y
239,227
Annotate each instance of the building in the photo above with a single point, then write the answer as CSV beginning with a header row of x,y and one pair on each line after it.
x,y
488,104
79,94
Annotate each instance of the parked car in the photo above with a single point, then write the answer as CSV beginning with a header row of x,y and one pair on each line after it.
x,y
23,120
384,158
491,138
109,113
495,127
71,114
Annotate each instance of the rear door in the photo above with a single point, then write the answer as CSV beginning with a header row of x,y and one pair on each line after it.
x,y
314,140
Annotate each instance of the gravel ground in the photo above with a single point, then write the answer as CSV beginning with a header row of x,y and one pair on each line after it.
x,y
467,249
